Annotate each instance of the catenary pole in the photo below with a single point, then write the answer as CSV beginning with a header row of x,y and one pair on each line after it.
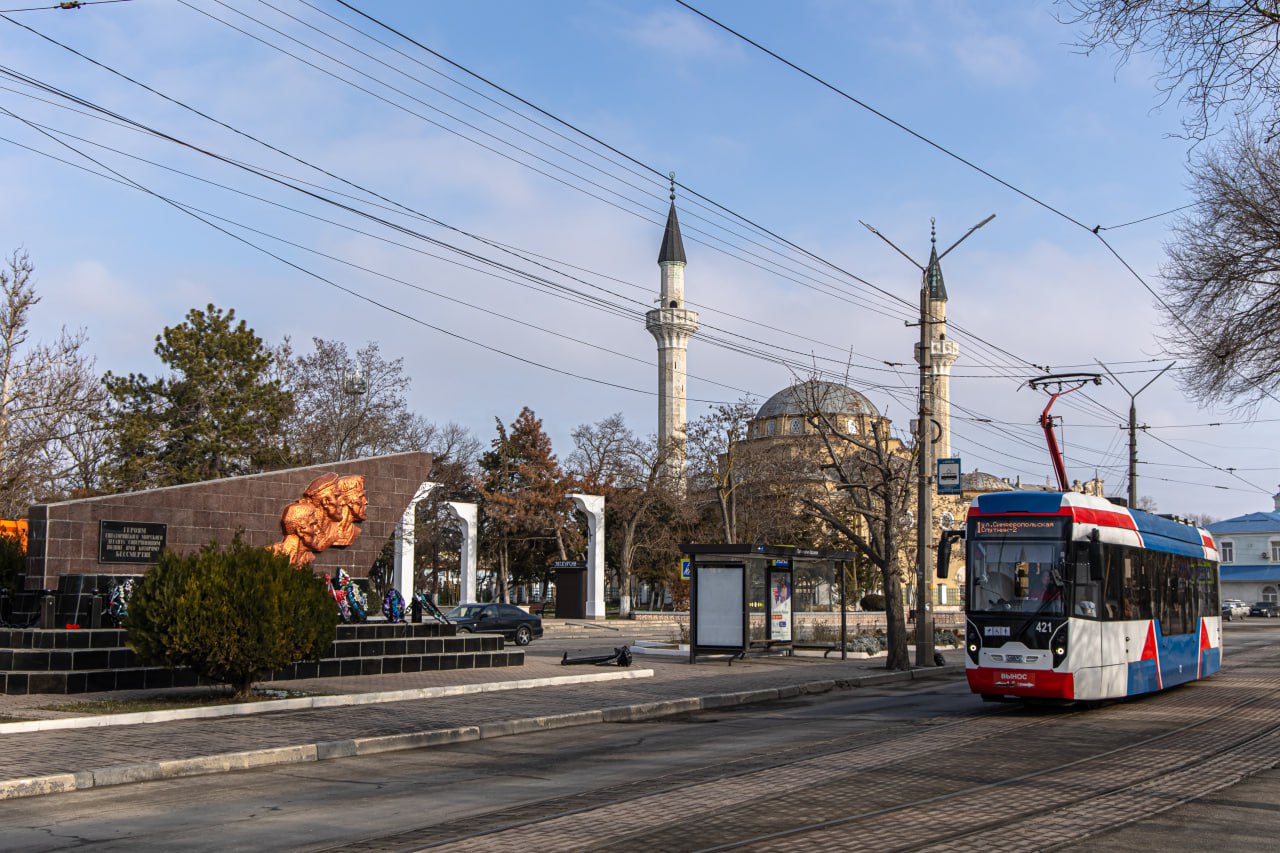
x,y
924,453
1133,426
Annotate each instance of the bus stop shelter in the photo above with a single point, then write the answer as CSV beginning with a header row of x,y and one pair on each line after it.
x,y
742,597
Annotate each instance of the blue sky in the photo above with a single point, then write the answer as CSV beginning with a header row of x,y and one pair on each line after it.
x,y
997,83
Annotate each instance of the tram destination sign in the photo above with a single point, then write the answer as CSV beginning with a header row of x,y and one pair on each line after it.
x,y
130,541
1041,528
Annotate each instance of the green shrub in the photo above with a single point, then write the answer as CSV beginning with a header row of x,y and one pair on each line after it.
x,y
943,637
872,601
230,614
870,644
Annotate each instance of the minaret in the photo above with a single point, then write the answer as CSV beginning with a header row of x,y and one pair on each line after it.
x,y
943,352
671,325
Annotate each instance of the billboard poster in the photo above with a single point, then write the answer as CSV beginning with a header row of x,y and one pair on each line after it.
x,y
780,605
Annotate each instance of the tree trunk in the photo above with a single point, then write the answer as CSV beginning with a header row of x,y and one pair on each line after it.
x,y
503,558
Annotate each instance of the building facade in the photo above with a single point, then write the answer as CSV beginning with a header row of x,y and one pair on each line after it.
x,y
1249,554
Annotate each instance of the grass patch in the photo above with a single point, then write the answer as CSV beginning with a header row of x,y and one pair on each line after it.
x,y
167,703
4,719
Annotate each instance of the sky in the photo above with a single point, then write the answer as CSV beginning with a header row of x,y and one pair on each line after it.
x,y
343,176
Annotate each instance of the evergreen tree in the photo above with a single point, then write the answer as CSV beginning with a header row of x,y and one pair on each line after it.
x,y
231,614
522,496
219,412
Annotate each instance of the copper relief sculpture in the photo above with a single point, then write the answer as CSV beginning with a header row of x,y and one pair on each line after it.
x,y
325,516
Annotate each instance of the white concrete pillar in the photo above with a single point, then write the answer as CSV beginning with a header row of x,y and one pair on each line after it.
x,y
592,506
402,574
466,515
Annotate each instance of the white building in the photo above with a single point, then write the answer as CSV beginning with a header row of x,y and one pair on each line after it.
x,y
1249,552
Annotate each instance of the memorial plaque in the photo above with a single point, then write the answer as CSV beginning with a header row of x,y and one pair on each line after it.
x,y
130,541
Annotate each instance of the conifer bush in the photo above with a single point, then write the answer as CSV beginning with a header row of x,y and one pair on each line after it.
x,y
230,614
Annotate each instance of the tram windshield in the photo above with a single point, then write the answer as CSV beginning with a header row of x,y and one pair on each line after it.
x,y
1018,576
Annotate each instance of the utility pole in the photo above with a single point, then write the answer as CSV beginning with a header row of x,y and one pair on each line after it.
x,y
924,444
924,489
1133,427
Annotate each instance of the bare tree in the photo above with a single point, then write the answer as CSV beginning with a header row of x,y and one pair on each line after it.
x,y
348,406
716,466
1217,54
49,393
609,459
1222,279
867,499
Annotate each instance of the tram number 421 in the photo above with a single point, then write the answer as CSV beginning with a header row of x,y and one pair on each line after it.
x,y
1044,627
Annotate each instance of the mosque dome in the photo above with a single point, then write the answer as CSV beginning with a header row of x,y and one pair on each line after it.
x,y
980,481
831,398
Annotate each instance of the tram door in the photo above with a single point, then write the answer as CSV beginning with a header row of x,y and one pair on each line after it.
x,y
1116,632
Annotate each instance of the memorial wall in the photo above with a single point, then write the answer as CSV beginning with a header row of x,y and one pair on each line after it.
x,y
125,533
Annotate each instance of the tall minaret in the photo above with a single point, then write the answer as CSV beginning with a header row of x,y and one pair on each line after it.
x,y
671,325
943,352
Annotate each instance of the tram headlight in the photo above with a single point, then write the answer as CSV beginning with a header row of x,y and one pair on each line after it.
x,y
1058,645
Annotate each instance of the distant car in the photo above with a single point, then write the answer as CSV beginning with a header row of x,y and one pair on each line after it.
x,y
1227,612
1265,608
1238,607
505,619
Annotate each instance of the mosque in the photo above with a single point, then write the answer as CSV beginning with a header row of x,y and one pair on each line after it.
x,y
781,421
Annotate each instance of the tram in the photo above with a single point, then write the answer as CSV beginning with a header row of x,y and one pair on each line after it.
x,y
1069,596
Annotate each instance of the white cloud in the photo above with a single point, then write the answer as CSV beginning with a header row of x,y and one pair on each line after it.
x,y
995,59
680,36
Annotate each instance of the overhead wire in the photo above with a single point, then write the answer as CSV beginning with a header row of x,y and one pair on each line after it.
x,y
970,164
895,297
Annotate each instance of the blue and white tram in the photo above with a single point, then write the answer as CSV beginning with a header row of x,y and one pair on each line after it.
x,y
1069,596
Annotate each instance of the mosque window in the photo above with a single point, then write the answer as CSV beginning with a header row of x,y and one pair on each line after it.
x,y
797,426
771,428
852,427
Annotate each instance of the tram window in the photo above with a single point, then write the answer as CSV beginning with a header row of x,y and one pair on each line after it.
x,y
1113,586
1085,588
1017,575
1146,594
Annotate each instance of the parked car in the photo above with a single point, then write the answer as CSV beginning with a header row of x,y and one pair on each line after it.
x,y
1238,607
1265,608
505,619
1227,613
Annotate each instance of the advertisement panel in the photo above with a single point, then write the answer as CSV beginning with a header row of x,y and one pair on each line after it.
x,y
780,605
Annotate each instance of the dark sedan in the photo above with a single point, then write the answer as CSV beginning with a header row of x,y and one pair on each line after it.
x,y
1265,608
505,619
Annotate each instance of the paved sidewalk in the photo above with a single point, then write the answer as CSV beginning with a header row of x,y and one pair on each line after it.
x,y
43,762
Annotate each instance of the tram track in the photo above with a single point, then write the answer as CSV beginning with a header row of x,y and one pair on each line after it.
x,y
861,791
1066,803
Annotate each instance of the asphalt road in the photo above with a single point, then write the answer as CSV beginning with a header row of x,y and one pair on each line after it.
x,y
908,767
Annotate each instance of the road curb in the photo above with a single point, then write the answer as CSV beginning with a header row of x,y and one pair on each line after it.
x,y
307,703
151,771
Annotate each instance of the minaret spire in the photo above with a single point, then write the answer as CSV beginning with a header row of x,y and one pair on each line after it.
x,y
672,325
943,352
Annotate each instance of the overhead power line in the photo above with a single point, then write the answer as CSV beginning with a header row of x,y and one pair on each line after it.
x,y
758,353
